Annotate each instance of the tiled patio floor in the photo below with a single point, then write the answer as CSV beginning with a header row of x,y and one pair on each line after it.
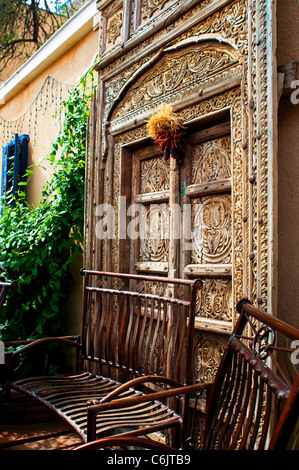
x,y
26,425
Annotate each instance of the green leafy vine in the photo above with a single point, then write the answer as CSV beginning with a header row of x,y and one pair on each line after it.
x,y
38,244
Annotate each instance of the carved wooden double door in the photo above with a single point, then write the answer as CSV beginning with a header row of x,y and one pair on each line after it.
x,y
180,222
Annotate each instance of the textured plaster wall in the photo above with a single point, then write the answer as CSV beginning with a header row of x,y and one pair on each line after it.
x,y
288,169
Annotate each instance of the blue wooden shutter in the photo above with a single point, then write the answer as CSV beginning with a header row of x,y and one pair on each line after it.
x,y
14,164
4,171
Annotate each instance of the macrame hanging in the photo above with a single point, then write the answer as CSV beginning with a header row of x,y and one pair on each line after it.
x,y
166,128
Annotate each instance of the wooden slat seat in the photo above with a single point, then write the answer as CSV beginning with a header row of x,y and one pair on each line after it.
x,y
70,396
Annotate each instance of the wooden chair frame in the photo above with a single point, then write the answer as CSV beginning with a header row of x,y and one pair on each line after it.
x,y
251,405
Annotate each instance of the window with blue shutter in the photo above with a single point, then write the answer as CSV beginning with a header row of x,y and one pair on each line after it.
x,y
14,165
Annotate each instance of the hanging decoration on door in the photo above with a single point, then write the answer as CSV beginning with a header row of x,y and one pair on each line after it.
x,y
166,128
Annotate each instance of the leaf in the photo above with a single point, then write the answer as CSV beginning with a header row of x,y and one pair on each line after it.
x,y
39,328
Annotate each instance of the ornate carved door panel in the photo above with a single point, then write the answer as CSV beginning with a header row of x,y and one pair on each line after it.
x,y
208,250
150,195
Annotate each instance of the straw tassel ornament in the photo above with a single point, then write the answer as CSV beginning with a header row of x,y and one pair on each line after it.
x,y
166,128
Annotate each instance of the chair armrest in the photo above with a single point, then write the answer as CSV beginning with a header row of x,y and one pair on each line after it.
x,y
129,401
73,341
139,380
28,344
93,410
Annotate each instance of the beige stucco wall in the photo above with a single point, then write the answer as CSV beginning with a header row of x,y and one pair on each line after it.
x,y
288,169
66,70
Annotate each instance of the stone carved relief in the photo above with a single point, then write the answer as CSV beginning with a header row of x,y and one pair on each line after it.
x,y
211,160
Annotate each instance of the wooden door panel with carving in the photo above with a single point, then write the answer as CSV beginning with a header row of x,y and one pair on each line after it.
x,y
150,197
214,62
208,246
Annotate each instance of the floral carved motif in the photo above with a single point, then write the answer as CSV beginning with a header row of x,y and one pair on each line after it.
x,y
208,350
151,6
212,230
214,300
154,175
114,27
154,223
180,71
211,160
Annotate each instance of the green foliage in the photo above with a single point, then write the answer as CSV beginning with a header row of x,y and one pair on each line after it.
x,y
39,243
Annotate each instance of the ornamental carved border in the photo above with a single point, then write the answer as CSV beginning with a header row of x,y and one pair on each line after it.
x,y
229,23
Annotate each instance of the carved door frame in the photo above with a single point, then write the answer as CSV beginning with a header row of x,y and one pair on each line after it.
x,y
240,37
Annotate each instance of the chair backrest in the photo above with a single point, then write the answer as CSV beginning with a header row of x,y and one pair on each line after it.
x,y
141,325
254,403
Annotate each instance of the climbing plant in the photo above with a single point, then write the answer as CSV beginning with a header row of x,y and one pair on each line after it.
x,y
39,243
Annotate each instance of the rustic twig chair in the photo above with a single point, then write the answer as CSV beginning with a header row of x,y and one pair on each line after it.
x,y
252,404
